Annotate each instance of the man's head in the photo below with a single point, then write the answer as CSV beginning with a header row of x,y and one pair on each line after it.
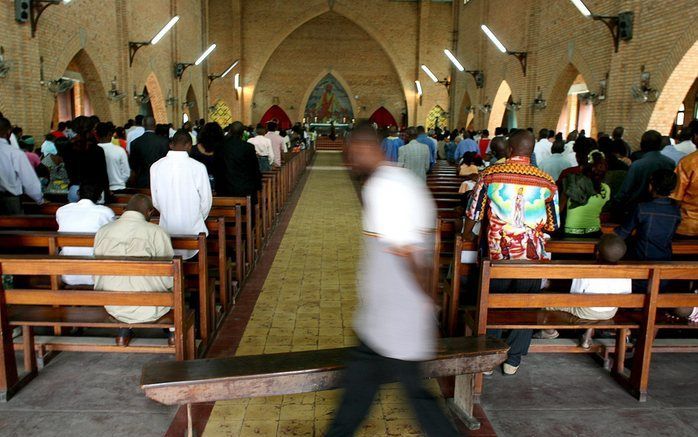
x,y
392,131
558,147
142,204
581,149
90,192
149,123
572,136
693,128
104,132
5,128
139,120
521,143
364,153
237,129
272,126
618,133
187,126
551,135
485,133
411,133
181,141
662,183
261,130
610,248
420,130
542,134
61,126
499,147
651,141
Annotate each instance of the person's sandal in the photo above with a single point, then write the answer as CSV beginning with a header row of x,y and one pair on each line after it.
x,y
586,343
547,334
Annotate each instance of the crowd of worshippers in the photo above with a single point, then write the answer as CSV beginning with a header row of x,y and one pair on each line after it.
x,y
518,191
86,161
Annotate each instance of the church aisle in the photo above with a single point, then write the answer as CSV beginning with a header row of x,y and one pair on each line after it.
x,y
307,303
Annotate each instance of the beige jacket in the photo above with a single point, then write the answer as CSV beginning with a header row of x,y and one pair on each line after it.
x,y
133,236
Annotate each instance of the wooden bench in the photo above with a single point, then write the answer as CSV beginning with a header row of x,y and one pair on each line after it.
x,y
210,380
636,311
29,308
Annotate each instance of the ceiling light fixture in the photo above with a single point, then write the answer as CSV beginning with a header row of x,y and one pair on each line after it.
x,y
133,47
521,56
453,59
181,67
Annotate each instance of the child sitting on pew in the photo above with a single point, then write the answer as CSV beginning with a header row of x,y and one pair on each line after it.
x,y
610,249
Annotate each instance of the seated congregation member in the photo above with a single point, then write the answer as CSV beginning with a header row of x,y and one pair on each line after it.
x,y
181,191
392,143
610,249
415,156
555,163
237,166
263,148
26,144
133,236
542,149
654,222
470,164
17,176
635,186
58,180
84,216
499,150
520,203
585,195
209,138
686,193
450,146
483,143
118,169
617,168
144,151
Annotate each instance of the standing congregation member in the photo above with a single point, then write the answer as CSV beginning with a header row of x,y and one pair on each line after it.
x,y
144,152
556,162
686,194
17,176
210,137
543,148
423,138
118,169
519,202
395,321
689,138
277,142
133,236
499,150
584,196
181,191
391,144
84,216
85,160
135,131
263,149
238,173
483,143
466,145
415,156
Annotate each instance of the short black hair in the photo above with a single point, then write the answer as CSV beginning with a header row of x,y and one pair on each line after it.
x,y
91,192
663,182
181,137
651,141
5,127
420,129
271,126
104,130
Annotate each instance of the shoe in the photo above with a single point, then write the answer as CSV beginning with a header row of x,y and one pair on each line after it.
x,y
508,369
124,337
548,334
585,343
490,373
171,339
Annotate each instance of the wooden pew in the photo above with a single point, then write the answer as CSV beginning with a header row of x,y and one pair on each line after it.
x,y
29,308
636,311
191,382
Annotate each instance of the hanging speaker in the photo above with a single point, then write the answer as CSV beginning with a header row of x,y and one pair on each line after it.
x,y
22,10
625,25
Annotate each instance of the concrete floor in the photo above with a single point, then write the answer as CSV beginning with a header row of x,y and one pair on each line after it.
x,y
86,394
571,395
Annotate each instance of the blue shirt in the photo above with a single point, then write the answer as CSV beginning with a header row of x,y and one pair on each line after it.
x,y
467,145
656,222
636,183
673,153
390,147
424,139
450,150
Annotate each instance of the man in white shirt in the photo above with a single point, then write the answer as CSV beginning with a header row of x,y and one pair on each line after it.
x,y
134,132
85,216
181,191
263,148
544,144
118,168
277,143
395,321
17,176
689,139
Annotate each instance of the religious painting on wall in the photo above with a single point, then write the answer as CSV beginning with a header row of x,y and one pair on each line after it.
x,y
329,102
437,117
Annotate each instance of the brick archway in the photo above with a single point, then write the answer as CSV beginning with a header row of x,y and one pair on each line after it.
x,y
464,118
157,100
674,91
94,87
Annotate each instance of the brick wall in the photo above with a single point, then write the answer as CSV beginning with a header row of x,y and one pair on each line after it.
x,y
94,35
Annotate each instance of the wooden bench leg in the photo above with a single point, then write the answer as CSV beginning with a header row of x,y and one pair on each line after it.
x,y
28,350
619,365
191,343
462,404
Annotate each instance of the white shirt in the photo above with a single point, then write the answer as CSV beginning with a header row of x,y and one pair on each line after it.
x,y
172,132
17,175
81,217
542,150
287,143
686,147
601,286
132,134
181,191
117,165
194,138
13,141
396,318
262,145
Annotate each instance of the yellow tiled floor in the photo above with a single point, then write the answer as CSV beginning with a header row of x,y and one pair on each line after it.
x,y
307,303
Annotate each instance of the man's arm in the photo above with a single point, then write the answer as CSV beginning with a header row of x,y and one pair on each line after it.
x,y
682,183
627,228
124,167
204,189
28,178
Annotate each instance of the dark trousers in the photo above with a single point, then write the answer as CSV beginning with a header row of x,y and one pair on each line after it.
x,y
519,340
10,205
366,372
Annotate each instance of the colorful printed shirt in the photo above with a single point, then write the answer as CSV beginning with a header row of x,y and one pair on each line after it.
x,y
521,202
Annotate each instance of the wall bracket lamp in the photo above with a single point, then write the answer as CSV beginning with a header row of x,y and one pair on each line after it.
x,y
478,76
212,77
133,47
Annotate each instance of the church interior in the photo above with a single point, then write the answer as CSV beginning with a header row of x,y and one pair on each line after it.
x,y
196,217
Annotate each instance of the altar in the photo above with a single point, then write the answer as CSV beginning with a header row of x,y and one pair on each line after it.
x,y
326,128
